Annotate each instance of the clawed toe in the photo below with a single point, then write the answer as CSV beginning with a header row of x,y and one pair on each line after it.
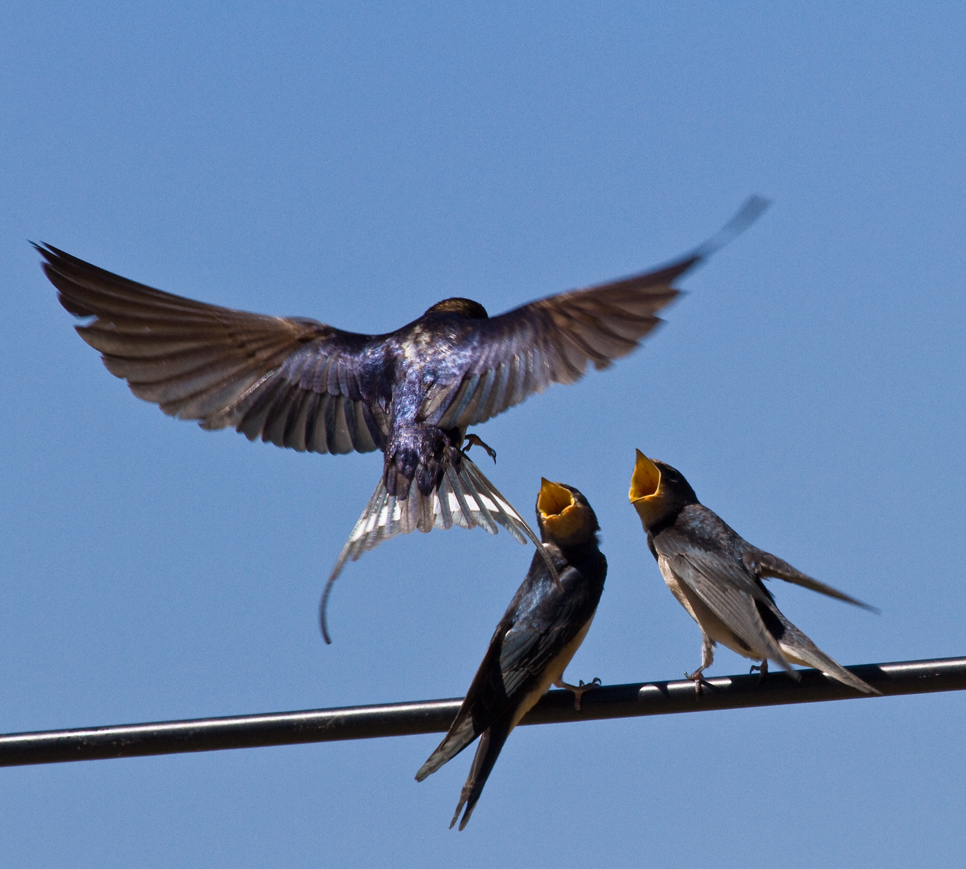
x,y
578,690
472,440
698,679
762,670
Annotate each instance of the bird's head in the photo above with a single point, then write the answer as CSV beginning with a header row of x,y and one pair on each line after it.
x,y
465,307
564,516
658,490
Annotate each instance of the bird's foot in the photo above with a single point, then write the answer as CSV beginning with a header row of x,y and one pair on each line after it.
x,y
762,669
472,440
579,690
698,679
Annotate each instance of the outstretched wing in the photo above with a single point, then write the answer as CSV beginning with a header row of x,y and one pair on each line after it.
x,y
290,381
551,340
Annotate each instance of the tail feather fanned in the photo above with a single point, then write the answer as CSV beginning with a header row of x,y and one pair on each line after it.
x,y
465,497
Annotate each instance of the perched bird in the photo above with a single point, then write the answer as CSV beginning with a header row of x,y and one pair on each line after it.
x,y
412,393
717,577
538,635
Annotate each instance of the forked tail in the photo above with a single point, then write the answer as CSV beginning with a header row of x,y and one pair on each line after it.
x,y
465,497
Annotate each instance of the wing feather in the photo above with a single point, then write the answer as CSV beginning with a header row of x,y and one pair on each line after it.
x,y
766,564
731,594
552,340
291,381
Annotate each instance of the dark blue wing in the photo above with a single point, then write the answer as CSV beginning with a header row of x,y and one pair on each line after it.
x,y
551,340
293,382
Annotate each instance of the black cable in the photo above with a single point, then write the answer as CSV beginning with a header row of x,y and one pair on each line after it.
x,y
435,716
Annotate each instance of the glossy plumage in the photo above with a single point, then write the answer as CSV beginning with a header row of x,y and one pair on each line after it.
x,y
412,393
539,633
716,575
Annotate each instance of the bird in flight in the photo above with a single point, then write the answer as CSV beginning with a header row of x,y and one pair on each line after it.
x,y
412,393
716,575
539,633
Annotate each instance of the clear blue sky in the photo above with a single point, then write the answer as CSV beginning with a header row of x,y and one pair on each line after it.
x,y
358,164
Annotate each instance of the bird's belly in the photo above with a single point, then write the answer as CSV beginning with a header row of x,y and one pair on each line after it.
x,y
713,626
553,672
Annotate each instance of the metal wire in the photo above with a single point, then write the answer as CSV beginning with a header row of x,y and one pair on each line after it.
x,y
435,716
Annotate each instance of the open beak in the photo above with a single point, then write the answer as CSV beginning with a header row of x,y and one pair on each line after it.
x,y
553,499
560,514
646,479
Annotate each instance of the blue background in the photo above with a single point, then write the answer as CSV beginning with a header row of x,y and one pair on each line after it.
x,y
357,165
